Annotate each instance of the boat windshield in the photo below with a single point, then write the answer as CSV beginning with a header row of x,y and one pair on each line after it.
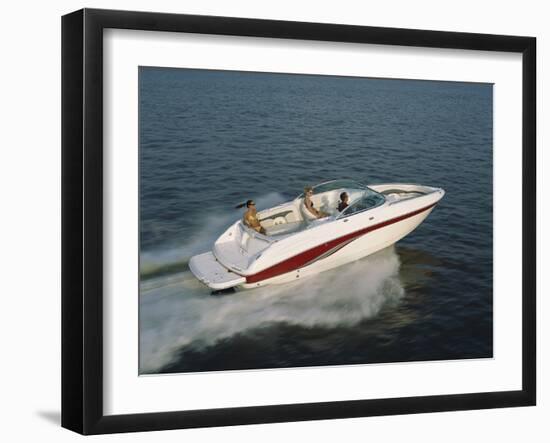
x,y
367,200
350,185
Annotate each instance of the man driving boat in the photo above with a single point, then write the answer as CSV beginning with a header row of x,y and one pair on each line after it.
x,y
344,201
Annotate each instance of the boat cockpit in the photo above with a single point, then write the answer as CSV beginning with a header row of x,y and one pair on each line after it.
x,y
292,217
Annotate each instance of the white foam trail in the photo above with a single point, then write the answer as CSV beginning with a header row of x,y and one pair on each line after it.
x,y
178,311
213,227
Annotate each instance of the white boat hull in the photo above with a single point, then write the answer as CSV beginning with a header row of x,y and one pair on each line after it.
x,y
360,248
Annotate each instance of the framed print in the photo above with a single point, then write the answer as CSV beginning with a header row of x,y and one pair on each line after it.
x,y
269,221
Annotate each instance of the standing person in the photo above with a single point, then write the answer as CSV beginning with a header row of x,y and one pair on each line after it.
x,y
250,217
344,201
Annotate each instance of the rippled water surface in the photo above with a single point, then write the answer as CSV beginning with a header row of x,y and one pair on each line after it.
x,y
211,139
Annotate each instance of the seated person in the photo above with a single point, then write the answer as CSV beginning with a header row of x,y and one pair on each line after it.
x,y
250,218
344,201
308,192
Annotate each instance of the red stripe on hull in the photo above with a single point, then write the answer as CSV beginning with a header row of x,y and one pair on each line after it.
x,y
306,257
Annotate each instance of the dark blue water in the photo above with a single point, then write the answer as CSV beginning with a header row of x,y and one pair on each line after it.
x,y
211,139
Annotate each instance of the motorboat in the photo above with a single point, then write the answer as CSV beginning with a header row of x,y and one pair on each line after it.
x,y
296,244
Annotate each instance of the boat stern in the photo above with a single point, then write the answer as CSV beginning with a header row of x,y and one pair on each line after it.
x,y
209,271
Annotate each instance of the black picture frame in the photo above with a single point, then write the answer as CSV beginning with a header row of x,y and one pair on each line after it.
x,y
82,220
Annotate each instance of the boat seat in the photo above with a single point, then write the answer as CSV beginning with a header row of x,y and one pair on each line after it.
x,y
285,228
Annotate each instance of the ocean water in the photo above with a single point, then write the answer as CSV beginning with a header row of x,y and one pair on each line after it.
x,y
212,139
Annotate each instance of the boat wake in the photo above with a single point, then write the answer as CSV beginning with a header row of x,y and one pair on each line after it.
x,y
177,312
